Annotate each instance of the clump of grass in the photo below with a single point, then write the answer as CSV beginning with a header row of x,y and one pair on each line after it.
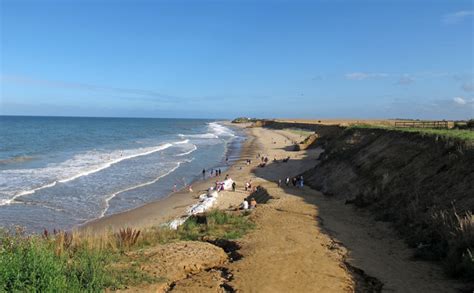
x,y
127,237
213,224
450,238
459,259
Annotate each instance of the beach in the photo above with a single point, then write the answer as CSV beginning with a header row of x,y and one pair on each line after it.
x,y
304,242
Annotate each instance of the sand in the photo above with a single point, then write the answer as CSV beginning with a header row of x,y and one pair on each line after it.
x,y
302,239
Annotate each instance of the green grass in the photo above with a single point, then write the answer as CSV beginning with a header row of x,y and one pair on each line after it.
x,y
91,264
298,131
217,224
461,134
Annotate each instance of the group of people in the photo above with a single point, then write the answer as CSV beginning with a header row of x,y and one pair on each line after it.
x,y
297,181
245,205
213,173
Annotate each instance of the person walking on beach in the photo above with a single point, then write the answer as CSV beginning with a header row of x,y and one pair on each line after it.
x,y
203,174
293,181
301,181
287,181
233,186
279,182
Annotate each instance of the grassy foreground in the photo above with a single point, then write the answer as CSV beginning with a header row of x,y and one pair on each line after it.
x,y
66,262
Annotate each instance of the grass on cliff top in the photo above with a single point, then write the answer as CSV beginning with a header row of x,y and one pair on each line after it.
x,y
461,134
298,131
66,262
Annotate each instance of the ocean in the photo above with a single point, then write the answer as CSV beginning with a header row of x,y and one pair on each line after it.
x,y
59,172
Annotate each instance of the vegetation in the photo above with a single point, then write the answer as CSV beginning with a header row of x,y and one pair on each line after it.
x,y
461,134
298,131
214,224
65,262
452,239
243,120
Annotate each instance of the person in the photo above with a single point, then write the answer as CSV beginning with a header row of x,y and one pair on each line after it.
x,y
226,176
244,205
293,180
250,184
219,172
203,174
279,182
233,186
174,188
253,203
301,181
246,186
287,181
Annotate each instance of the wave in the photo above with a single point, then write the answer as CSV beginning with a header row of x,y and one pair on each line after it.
x,y
220,130
111,196
81,165
181,142
216,131
188,152
204,135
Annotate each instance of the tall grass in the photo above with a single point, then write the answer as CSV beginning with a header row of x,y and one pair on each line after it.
x,y
36,264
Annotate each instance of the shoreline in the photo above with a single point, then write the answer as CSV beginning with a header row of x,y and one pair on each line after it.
x,y
172,206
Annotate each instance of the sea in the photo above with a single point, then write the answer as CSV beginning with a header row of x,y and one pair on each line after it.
x,y
60,172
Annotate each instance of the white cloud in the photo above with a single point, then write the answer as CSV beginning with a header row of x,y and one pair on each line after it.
x,y
458,16
459,101
364,75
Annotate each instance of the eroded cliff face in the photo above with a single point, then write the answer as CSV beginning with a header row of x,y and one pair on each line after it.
x,y
423,184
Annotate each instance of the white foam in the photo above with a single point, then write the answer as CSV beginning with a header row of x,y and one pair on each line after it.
x,y
182,142
220,130
76,167
188,152
204,135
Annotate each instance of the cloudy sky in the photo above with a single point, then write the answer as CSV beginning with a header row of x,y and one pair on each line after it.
x,y
221,59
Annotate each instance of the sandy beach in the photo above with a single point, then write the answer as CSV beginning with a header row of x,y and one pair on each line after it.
x,y
304,242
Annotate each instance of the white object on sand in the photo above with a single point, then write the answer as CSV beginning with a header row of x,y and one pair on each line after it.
x,y
206,201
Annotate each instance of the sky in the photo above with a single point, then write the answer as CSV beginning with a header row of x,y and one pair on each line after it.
x,y
224,59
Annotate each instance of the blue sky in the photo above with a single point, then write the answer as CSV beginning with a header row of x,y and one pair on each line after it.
x,y
221,59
